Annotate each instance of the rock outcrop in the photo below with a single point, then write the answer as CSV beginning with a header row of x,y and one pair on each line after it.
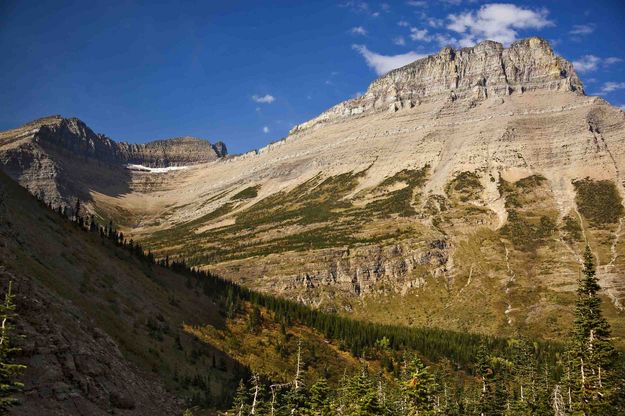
x,y
61,159
485,70
74,136
483,149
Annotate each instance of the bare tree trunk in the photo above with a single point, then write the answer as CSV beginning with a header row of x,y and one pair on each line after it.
x,y
7,299
299,361
557,402
255,380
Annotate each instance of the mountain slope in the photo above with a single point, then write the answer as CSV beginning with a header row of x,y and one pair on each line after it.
x,y
89,312
103,330
55,157
452,194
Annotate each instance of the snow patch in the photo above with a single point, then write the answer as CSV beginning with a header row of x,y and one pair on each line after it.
x,y
155,170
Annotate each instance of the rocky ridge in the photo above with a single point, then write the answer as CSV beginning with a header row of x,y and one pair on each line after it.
x,y
485,70
75,136
339,216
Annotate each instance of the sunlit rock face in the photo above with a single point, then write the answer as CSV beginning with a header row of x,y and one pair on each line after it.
x,y
458,191
485,70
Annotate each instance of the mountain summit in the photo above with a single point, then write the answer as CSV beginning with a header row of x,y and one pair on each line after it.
x,y
477,73
458,192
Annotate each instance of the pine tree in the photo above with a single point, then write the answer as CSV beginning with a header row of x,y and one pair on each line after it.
x,y
359,396
592,352
254,320
9,371
319,401
77,210
295,398
419,388
240,403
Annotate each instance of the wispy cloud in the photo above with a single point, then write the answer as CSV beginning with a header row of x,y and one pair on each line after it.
x,y
445,40
265,129
612,60
581,30
399,40
433,22
364,7
589,63
403,23
358,30
498,21
420,34
586,63
264,99
417,3
611,86
382,64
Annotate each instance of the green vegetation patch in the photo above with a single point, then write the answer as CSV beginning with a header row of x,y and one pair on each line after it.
x,y
399,201
529,224
247,193
518,193
572,228
466,185
598,201
316,200
527,233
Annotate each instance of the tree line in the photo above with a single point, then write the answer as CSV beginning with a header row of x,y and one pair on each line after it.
x,y
504,376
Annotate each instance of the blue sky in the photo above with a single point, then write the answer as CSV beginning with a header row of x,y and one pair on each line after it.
x,y
246,72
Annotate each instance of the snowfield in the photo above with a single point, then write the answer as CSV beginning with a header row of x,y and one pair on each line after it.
x,y
155,170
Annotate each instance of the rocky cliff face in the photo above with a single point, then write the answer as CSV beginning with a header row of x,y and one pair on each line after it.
x,y
60,159
74,136
463,179
485,70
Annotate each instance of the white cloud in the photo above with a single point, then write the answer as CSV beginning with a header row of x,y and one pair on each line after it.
x,y
420,34
382,64
416,3
586,63
433,22
399,40
264,99
580,30
445,40
403,23
265,129
358,30
610,86
612,60
498,21
356,6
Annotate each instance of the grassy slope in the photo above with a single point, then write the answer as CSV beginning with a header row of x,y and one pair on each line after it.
x,y
146,309
516,278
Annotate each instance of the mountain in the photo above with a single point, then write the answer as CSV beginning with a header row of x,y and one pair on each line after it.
x,y
51,155
457,192
104,330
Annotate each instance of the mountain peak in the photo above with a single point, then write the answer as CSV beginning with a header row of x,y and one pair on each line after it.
x,y
475,73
